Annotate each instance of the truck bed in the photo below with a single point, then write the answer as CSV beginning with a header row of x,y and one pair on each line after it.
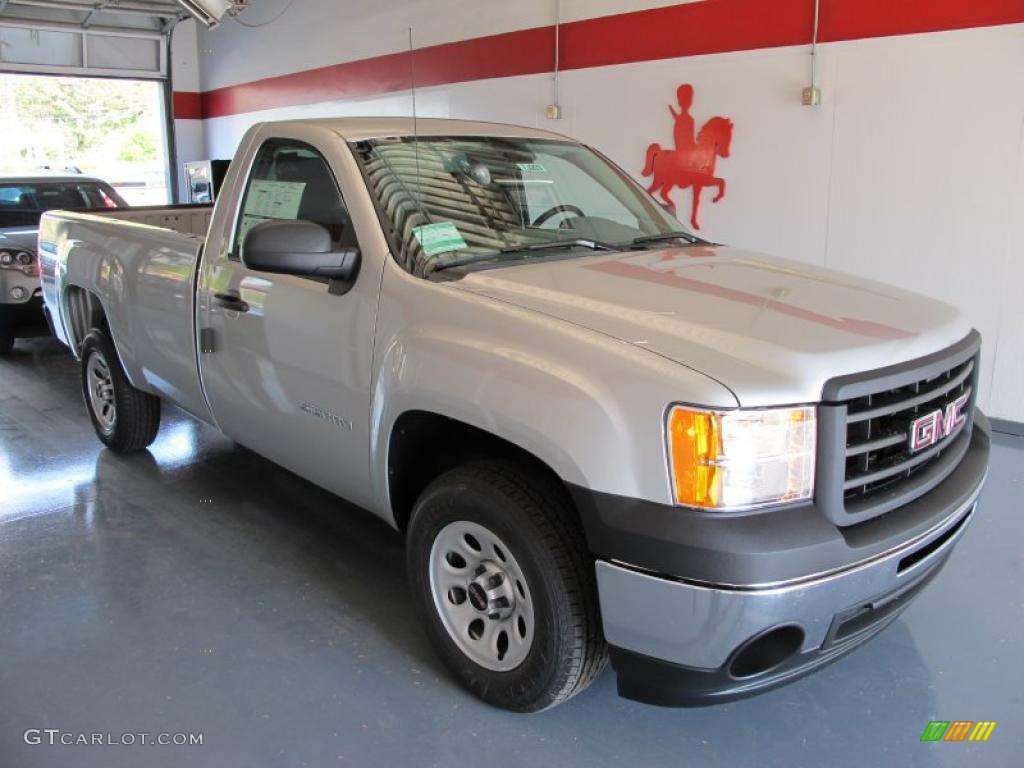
x,y
141,264
183,219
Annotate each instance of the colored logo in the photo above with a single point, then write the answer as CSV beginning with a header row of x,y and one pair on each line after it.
x,y
927,430
958,730
692,163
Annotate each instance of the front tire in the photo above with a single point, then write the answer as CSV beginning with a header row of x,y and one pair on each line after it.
x,y
504,580
125,418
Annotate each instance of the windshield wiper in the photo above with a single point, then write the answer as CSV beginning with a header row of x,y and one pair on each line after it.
x,y
680,235
550,245
456,259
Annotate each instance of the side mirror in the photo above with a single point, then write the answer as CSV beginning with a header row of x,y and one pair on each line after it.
x,y
295,247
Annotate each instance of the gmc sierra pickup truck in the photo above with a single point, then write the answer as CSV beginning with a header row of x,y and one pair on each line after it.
x,y
601,436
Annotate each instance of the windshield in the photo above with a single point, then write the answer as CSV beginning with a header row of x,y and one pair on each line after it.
x,y
458,200
22,204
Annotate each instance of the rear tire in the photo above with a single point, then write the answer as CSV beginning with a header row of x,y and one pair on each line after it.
x,y
503,578
125,418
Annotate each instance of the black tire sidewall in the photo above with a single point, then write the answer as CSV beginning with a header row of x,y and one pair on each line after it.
x,y
97,341
123,437
533,684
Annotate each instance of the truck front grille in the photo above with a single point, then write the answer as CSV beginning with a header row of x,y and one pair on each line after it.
x,y
866,466
878,430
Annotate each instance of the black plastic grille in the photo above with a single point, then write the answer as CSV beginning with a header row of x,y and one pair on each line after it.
x,y
878,453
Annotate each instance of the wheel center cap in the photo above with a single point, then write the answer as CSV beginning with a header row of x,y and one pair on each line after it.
x,y
477,596
491,591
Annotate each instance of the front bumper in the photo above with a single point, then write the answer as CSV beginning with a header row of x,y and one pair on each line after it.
x,y
682,640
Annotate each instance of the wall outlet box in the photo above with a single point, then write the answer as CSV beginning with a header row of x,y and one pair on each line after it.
x,y
554,111
811,96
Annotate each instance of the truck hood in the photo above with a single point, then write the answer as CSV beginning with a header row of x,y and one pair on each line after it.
x,y
19,238
771,330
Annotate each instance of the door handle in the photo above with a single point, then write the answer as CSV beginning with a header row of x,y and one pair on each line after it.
x,y
231,300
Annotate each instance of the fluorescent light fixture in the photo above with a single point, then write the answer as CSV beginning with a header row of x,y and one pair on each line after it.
x,y
210,12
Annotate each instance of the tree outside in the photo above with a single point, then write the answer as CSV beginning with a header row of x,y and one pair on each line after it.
x,y
108,128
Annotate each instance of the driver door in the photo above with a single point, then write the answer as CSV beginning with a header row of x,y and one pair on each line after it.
x,y
285,363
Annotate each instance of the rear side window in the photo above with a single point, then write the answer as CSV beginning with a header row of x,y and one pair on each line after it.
x,y
291,180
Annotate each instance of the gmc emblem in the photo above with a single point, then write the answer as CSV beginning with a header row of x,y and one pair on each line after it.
x,y
927,430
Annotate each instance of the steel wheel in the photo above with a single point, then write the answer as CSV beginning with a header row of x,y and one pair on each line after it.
x,y
100,385
481,595
504,581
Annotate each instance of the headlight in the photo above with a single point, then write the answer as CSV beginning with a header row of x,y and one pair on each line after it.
x,y
25,258
6,258
732,460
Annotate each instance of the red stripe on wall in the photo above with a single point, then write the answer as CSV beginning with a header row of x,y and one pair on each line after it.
x,y
721,26
692,29
857,19
187,105
709,26
522,52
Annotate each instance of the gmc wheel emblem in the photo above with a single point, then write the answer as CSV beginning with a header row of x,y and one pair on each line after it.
x,y
927,430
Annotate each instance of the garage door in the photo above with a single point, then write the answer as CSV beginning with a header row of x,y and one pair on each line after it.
x,y
117,38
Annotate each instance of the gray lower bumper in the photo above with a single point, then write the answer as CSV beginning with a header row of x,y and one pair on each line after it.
x,y
701,625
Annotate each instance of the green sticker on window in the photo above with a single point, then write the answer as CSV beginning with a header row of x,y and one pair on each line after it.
x,y
438,238
531,168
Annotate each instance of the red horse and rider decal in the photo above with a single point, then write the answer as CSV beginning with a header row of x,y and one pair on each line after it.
x,y
692,163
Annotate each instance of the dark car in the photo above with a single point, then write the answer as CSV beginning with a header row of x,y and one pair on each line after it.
x,y
22,201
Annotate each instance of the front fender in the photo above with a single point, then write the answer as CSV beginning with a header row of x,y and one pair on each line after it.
x,y
589,406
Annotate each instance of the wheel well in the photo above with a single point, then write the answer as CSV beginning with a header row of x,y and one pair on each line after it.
x,y
84,313
424,445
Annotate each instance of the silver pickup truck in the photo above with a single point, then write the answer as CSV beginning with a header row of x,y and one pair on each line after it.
x,y
600,435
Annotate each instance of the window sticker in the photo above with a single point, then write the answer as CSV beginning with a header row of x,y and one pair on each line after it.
x,y
268,200
438,238
531,168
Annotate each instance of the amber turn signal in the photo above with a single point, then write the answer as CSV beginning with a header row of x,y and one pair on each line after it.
x,y
695,445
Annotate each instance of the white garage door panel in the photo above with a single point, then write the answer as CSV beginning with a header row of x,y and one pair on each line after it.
x,y
40,47
66,50
134,53
111,38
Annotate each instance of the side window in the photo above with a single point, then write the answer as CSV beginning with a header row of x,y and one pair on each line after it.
x,y
291,180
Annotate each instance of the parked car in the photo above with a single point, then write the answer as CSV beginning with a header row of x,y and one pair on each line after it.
x,y
597,432
22,201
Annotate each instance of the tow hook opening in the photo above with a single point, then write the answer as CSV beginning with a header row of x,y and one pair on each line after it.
x,y
766,651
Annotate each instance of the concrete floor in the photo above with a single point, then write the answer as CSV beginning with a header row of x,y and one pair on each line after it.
x,y
197,588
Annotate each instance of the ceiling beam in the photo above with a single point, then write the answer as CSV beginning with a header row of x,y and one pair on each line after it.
x,y
126,7
63,26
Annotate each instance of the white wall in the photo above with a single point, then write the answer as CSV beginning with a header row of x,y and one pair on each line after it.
x,y
189,141
911,171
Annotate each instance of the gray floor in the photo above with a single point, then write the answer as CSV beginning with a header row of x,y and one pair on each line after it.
x,y
197,588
